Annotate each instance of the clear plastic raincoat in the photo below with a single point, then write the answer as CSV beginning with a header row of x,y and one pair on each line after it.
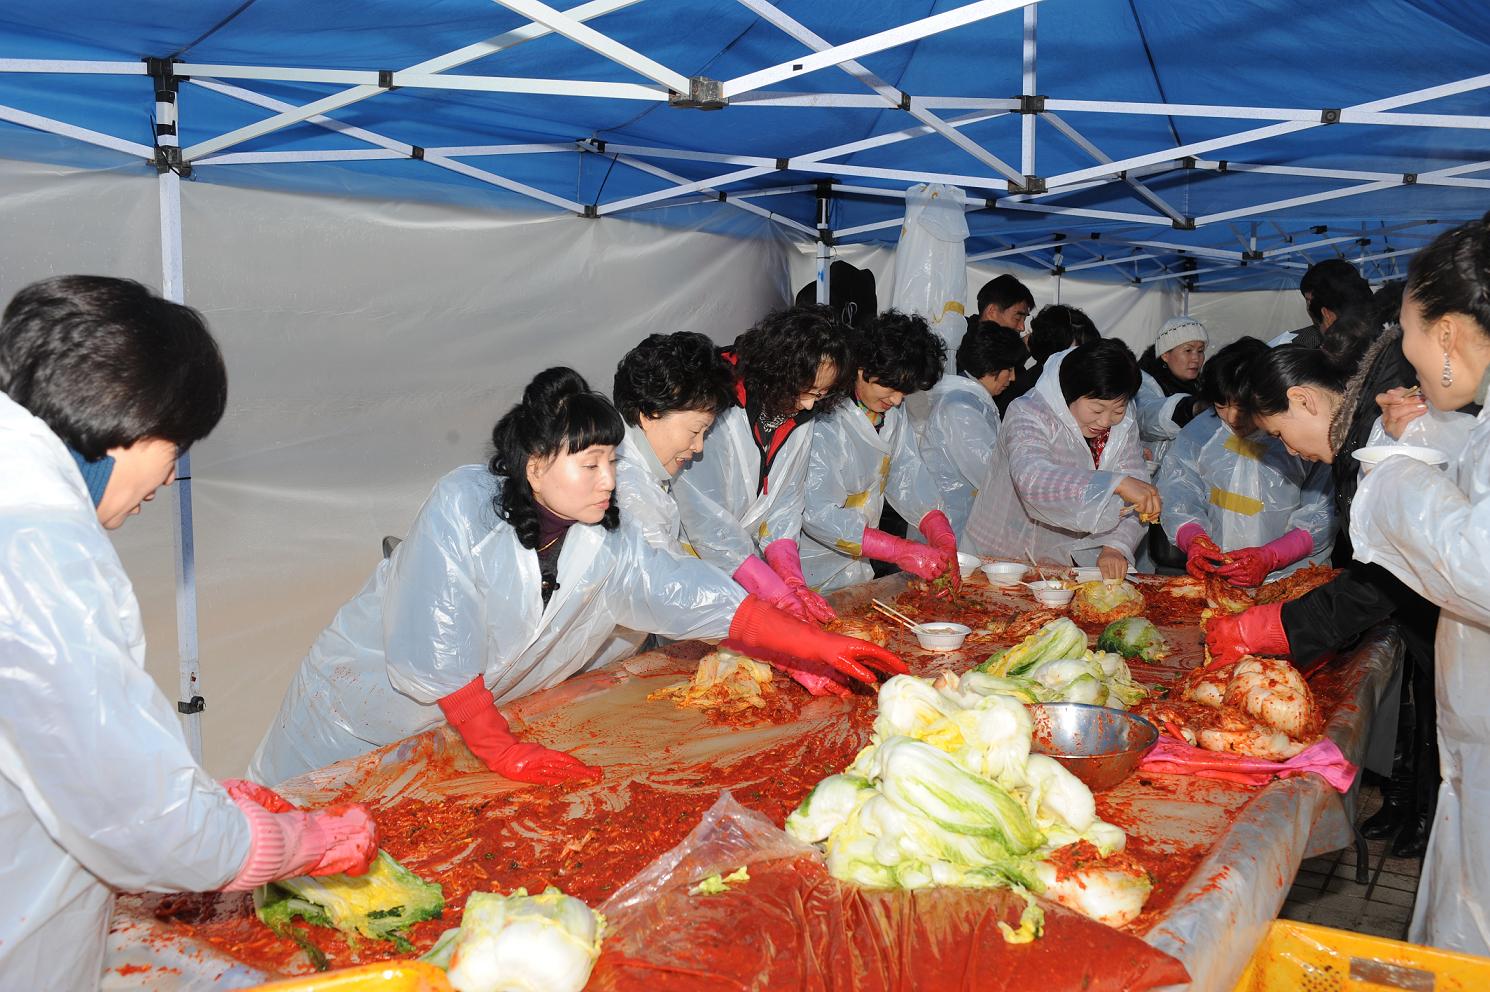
x,y
1043,496
1155,415
98,791
460,598
852,470
727,516
644,493
1433,533
1246,491
961,431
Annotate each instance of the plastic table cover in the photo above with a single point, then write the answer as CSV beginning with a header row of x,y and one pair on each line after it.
x,y
1242,846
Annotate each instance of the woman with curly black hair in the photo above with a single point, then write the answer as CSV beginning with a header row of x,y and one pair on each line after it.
x,y
511,577
744,497
865,452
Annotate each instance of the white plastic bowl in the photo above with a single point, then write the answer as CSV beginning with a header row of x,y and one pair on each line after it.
x,y
967,564
1374,454
1047,594
1004,573
941,636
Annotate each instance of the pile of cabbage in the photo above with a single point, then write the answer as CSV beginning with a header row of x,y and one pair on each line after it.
x,y
521,943
1053,665
949,794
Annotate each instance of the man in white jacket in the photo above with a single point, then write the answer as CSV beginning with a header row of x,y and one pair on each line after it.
x,y
101,385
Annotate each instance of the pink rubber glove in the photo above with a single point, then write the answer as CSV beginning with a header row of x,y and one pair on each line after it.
x,y
285,842
785,559
473,712
760,580
1201,553
761,627
938,531
814,676
919,559
1258,630
1251,566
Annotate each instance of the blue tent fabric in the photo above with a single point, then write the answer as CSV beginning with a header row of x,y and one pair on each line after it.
x,y
1253,53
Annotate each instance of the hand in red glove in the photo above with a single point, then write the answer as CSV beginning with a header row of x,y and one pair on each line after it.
x,y
938,532
757,626
759,579
785,559
1251,566
1202,555
919,559
813,676
1258,630
285,842
473,712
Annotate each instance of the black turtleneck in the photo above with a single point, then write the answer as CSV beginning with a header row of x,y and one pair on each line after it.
x,y
552,530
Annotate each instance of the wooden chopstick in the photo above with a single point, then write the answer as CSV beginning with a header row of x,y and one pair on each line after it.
x,y
893,614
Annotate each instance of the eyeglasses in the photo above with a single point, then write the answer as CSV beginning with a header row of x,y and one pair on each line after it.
x,y
818,394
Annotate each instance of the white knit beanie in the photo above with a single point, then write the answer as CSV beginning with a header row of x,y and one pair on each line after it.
x,y
1177,331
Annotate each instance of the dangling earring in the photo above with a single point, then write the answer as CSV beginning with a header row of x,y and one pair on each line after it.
x,y
1448,372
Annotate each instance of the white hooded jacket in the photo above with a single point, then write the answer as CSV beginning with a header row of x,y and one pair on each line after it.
x,y
1042,496
1433,533
460,597
98,790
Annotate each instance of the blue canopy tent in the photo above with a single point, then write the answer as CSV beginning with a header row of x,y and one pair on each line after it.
x,y
1218,146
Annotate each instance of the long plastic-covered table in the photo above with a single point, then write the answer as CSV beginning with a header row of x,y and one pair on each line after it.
x,y
1239,848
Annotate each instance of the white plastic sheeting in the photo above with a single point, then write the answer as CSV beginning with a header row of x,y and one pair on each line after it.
x,y
931,261
370,346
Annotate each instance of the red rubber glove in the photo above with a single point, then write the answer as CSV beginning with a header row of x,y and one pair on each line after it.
x,y
1250,566
759,627
473,712
938,532
1258,630
760,579
813,676
785,559
285,842
919,559
1202,554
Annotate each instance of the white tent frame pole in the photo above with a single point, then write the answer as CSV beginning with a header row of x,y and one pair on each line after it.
x,y
812,161
987,256
1294,201
1261,133
902,35
372,138
892,96
449,60
1117,260
1144,193
970,203
581,34
1027,121
825,271
1010,203
736,201
1438,177
1200,251
173,288
51,126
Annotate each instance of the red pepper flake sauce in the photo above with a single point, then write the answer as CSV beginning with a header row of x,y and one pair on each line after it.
x,y
587,842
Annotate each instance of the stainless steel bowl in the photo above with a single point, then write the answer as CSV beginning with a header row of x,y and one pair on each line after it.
x,y
1101,746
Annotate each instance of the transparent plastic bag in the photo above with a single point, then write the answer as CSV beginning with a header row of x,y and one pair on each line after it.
x,y
791,926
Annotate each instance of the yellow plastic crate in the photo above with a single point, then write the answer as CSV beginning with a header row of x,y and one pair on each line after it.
x,y
1301,957
387,976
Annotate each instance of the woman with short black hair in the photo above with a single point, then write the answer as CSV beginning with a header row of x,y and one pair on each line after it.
x,y
1068,461
1235,500
742,501
865,453
513,575
102,385
962,425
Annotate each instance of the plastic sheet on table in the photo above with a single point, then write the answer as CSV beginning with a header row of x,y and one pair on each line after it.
x,y
793,926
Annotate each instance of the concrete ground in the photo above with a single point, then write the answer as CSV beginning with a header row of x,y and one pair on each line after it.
x,y
1325,891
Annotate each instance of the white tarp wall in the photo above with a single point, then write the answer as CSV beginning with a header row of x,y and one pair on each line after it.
x,y
370,348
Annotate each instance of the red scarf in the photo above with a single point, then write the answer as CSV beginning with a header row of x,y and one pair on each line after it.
x,y
1096,444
